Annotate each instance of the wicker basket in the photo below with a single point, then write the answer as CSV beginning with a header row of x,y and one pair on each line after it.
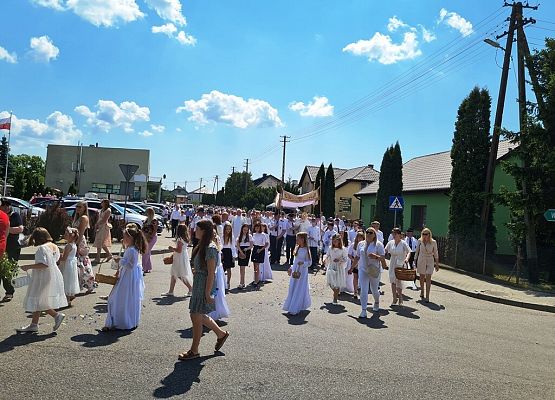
x,y
405,274
103,278
168,260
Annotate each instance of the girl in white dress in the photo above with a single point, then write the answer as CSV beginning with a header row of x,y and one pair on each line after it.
x,y
335,260
220,303
298,297
181,265
400,253
125,300
68,265
46,286
266,268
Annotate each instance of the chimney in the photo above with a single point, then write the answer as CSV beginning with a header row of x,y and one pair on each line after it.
x,y
371,166
96,144
264,175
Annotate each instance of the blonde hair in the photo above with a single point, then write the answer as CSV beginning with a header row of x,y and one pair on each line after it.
x,y
74,233
85,209
426,230
39,237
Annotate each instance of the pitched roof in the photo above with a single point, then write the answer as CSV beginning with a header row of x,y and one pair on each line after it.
x,y
258,181
436,168
342,175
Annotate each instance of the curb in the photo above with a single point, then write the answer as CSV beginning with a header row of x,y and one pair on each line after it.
x,y
30,256
500,300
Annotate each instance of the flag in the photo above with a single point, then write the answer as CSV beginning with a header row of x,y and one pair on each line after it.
x,y
289,200
5,123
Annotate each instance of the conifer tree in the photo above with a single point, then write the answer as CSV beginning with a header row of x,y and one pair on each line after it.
x,y
390,184
329,204
319,183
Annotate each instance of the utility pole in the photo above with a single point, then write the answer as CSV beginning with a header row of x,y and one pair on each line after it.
x,y
284,141
516,22
246,173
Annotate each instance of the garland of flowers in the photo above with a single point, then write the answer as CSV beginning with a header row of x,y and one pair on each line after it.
x,y
8,267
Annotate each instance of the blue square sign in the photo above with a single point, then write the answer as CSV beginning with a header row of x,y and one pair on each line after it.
x,y
396,203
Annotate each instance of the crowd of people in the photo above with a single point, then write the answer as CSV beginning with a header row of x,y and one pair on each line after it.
x,y
351,257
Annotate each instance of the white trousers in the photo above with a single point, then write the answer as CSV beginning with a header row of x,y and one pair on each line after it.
x,y
365,282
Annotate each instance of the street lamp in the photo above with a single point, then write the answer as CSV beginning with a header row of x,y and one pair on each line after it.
x,y
493,43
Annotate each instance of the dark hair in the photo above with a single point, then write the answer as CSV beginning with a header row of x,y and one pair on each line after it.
x,y
207,228
39,237
138,237
257,225
241,233
396,230
5,202
217,219
228,237
182,232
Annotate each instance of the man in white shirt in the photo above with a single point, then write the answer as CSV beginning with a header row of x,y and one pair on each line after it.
x,y
236,223
412,242
175,218
273,228
376,226
303,224
352,233
193,225
282,230
290,238
314,237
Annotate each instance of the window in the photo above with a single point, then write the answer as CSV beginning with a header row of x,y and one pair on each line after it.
x,y
105,188
418,217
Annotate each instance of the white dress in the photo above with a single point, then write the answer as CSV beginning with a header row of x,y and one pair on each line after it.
x,y
265,273
398,253
349,279
125,300
46,286
181,265
70,272
335,272
222,309
298,297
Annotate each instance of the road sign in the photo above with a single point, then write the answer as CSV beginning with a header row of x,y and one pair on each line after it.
x,y
396,203
128,170
550,215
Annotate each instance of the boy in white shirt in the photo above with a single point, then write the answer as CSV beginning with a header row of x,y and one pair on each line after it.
x,y
314,237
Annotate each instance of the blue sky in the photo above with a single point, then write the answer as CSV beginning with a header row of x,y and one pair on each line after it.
x,y
205,84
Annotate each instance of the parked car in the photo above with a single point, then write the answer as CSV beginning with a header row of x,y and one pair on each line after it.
x,y
134,208
117,211
25,205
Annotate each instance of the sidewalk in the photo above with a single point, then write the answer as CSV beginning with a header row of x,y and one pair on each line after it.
x,y
161,247
486,289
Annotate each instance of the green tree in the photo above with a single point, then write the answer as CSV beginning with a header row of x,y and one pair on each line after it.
x,y
33,168
319,183
469,158
329,190
536,146
258,198
390,184
291,187
235,187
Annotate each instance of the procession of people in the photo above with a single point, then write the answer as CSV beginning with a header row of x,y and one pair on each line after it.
x,y
219,239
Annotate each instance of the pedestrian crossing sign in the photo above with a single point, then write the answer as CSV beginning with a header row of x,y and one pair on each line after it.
x,y
396,203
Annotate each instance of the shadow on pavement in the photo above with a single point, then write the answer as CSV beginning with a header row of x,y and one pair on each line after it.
x,y
167,300
404,311
101,308
180,380
432,306
374,322
298,319
22,339
334,308
101,338
188,333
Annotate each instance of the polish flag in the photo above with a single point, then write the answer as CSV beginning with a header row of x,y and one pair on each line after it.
x,y
5,123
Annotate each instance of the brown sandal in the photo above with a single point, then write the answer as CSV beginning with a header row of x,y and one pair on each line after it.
x,y
220,342
189,355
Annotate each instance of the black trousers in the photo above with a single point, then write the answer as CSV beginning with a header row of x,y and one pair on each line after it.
x,y
314,255
14,255
290,242
273,250
175,222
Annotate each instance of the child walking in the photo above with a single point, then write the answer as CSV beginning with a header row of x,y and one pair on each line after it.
x,y
298,297
68,265
335,261
46,286
265,275
259,251
125,300
181,266
227,251
244,248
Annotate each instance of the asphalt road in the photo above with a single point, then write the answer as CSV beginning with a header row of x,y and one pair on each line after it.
x,y
454,348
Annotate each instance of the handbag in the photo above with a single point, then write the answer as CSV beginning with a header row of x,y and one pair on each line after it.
x,y
21,281
296,274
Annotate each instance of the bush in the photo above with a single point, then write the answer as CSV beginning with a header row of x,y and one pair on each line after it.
x,y
55,220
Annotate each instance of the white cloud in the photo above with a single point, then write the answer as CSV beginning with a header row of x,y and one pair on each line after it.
x,y
231,110
178,129
167,29
318,107
109,115
184,39
8,57
43,49
455,21
427,35
54,4
146,133
169,10
158,128
381,48
395,23
98,12
57,128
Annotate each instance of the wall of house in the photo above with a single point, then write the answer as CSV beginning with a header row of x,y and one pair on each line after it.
x,y
347,191
305,185
501,213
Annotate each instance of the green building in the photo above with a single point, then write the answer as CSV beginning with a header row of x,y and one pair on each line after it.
x,y
426,187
